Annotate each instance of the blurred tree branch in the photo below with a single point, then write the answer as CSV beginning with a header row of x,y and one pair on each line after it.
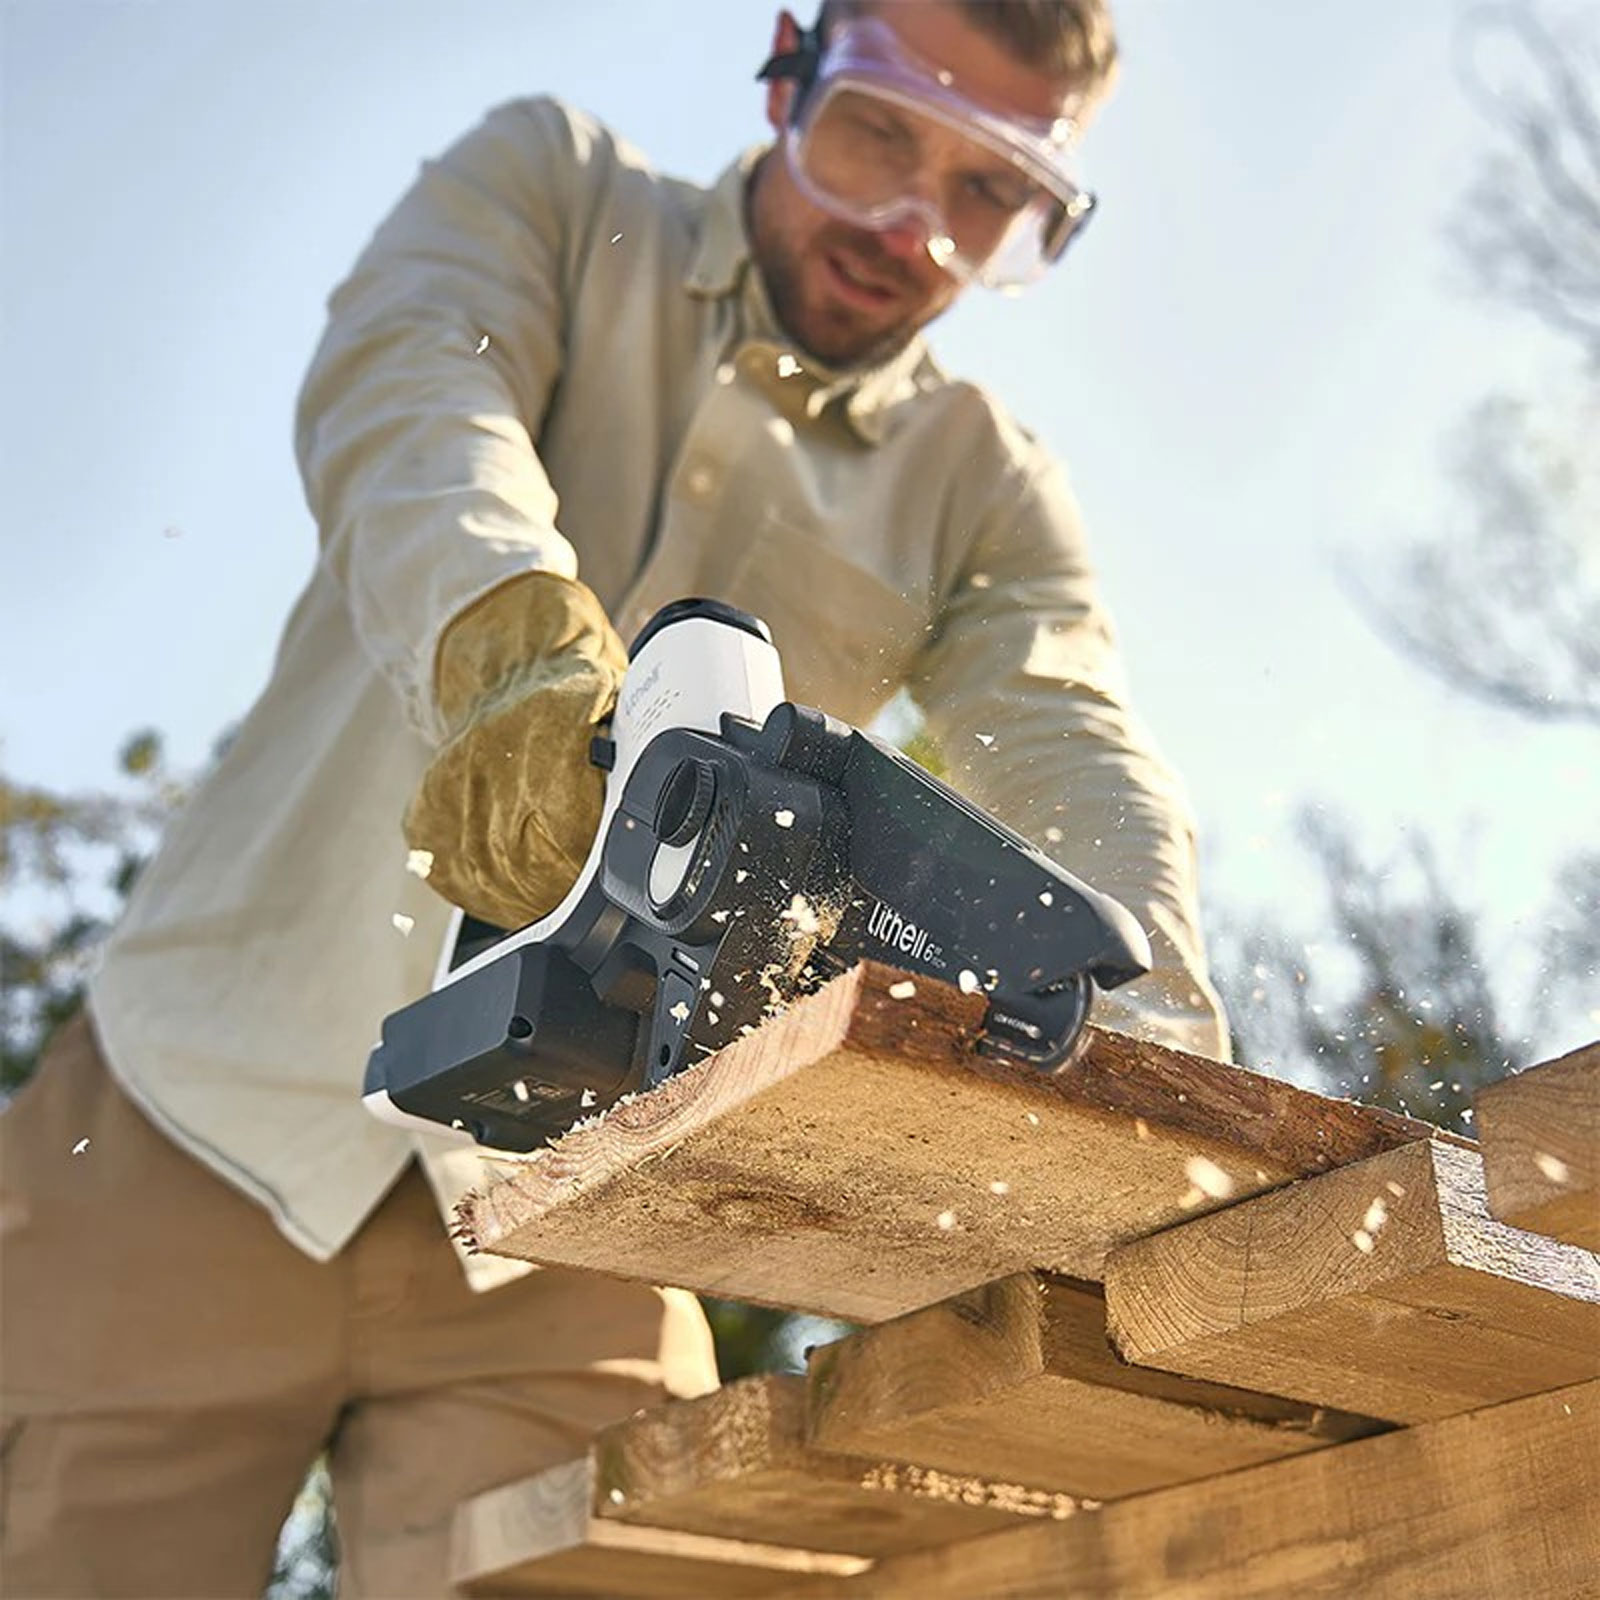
x,y
1528,227
1401,1007
1569,949
1394,1005
1505,605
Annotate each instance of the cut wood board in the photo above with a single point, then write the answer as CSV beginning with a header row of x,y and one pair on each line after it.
x,y
1019,1379
858,1157
541,1537
1496,1503
1541,1147
1385,1288
736,1464
732,1468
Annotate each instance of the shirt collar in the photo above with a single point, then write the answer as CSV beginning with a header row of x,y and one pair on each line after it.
x,y
722,267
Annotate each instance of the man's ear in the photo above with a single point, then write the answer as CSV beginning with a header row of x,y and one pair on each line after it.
x,y
781,91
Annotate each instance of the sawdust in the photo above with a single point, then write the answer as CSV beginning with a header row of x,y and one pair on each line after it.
x,y
892,1477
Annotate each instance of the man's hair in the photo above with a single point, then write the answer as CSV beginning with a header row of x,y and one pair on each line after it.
x,y
1071,37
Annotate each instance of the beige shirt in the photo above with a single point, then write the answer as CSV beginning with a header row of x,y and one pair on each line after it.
x,y
552,357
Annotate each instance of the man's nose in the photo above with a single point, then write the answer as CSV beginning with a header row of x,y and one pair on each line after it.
x,y
919,231
907,237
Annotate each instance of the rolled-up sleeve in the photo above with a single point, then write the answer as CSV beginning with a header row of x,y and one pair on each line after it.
x,y
1022,688
415,426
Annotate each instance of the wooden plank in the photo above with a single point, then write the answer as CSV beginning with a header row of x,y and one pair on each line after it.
x,y
733,1468
858,1157
1541,1147
1497,1503
1385,1288
541,1537
736,1464
1018,1379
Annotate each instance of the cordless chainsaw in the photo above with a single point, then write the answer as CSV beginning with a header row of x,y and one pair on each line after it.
x,y
748,850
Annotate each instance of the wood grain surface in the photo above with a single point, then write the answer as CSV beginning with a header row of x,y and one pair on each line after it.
x,y
1385,1288
1541,1147
1494,1505
1019,1379
859,1156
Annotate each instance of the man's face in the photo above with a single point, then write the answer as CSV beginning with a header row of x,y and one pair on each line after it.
x,y
850,295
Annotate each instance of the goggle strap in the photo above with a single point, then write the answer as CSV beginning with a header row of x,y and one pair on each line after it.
x,y
799,65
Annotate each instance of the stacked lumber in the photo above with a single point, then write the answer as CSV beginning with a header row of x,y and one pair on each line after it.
x,y
1151,1326
1019,1379
1541,1148
1387,1285
1492,1505
716,1492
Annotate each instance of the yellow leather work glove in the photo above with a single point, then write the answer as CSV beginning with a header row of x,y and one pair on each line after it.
x,y
509,806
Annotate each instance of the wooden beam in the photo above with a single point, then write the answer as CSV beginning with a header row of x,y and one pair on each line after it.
x,y
732,1467
859,1157
1541,1147
1018,1379
541,1537
1385,1288
736,1464
1501,1502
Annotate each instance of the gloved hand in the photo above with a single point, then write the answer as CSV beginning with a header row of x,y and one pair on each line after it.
x,y
509,806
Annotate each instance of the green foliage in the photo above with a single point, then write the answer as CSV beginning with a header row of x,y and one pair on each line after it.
x,y
67,862
749,1339
752,1339
141,755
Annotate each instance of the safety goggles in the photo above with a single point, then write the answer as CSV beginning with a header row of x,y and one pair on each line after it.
x,y
881,139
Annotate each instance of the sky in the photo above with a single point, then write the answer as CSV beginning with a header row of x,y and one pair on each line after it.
x,y
1253,365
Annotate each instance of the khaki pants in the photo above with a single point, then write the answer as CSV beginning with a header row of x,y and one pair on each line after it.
x,y
170,1365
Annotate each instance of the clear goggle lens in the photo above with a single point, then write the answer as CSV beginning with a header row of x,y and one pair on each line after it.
x,y
876,159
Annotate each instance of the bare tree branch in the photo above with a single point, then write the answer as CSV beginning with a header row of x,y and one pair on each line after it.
x,y
1506,605
1395,1004
1528,228
1569,950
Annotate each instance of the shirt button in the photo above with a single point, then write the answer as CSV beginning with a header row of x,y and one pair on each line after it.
x,y
700,482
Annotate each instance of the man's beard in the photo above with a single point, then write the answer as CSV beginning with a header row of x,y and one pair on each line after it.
x,y
784,277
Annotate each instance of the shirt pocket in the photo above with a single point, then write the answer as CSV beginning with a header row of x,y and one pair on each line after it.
x,y
845,634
